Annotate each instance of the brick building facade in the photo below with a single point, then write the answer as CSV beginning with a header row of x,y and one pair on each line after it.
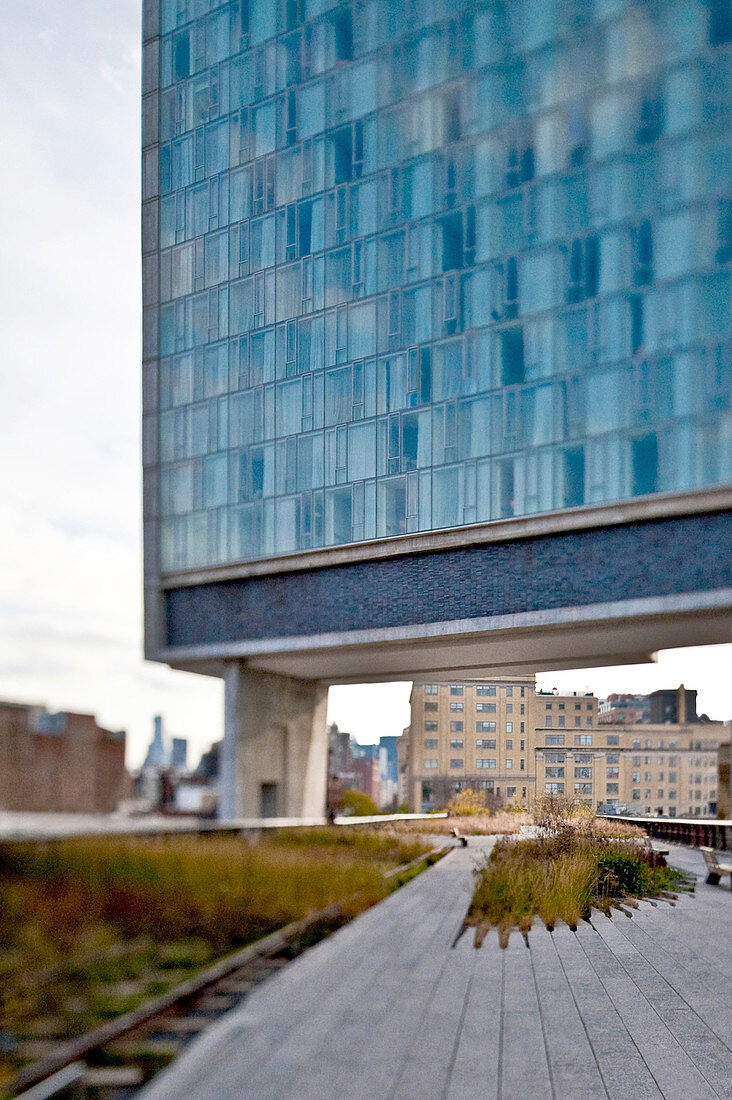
x,y
669,769
514,743
58,762
481,734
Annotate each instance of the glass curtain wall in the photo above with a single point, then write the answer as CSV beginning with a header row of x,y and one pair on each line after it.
x,y
426,263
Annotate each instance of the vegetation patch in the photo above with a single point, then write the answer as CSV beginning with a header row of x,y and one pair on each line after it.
x,y
357,803
91,928
478,824
563,876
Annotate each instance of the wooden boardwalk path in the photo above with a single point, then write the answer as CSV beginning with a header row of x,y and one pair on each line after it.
x,y
386,1009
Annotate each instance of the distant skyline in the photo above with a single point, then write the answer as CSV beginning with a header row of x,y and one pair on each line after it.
x,y
70,559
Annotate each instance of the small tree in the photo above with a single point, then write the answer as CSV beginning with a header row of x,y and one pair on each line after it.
x,y
357,803
466,803
562,813
443,792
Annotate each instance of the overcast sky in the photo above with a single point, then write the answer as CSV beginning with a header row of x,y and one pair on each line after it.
x,y
70,561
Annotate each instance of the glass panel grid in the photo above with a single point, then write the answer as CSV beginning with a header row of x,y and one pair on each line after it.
x,y
413,276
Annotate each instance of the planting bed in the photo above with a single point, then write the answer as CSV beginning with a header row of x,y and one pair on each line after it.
x,y
563,876
92,928
477,824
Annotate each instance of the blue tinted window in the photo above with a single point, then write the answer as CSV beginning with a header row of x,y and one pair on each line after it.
x,y
411,277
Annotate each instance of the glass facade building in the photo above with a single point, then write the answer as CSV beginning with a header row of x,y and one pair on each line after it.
x,y
419,264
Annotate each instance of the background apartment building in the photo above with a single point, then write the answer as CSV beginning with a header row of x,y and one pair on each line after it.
x,y
482,735
59,762
664,764
514,743
622,708
666,769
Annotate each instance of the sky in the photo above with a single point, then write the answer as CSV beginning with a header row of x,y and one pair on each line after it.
x,y
70,552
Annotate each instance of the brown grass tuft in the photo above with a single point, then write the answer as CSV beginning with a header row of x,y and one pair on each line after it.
x,y
503,823
561,877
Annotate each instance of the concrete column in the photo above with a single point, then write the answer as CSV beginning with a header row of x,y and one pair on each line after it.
x,y
274,757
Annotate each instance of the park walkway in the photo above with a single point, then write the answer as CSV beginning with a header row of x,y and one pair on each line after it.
x,y
386,1009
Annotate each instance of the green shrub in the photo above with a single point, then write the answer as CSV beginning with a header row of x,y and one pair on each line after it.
x,y
358,804
622,873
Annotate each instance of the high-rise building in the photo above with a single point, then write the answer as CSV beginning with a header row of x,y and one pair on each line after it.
x,y
179,754
339,751
157,755
389,765
436,347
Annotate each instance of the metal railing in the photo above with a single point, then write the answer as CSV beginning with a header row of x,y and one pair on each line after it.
x,y
694,831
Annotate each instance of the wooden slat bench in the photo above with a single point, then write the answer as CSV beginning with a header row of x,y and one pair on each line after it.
x,y
715,869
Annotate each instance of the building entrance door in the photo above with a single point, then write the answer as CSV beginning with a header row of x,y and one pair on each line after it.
x,y
269,800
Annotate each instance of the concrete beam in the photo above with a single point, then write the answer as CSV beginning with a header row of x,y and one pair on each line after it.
x,y
625,632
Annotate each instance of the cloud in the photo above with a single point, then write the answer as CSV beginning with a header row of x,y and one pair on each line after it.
x,y
70,570
370,711
118,76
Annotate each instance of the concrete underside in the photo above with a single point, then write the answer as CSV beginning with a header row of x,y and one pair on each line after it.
x,y
606,634
622,1009
571,599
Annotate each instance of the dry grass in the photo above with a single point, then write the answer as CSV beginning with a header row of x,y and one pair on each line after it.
x,y
561,877
562,813
616,830
502,823
90,928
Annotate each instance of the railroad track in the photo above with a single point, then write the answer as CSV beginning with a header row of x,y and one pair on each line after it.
x,y
114,1061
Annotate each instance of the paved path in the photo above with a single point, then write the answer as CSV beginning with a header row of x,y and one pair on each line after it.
x,y
385,1009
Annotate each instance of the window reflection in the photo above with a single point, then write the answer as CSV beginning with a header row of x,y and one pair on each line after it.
x,y
418,270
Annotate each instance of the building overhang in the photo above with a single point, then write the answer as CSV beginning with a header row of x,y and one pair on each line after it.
x,y
600,635
572,597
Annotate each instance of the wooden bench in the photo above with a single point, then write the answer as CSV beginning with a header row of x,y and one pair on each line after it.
x,y
657,856
460,836
715,869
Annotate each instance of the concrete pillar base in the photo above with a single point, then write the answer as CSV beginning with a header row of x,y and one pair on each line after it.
x,y
274,757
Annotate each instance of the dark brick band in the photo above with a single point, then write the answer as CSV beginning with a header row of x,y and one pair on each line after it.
x,y
654,558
